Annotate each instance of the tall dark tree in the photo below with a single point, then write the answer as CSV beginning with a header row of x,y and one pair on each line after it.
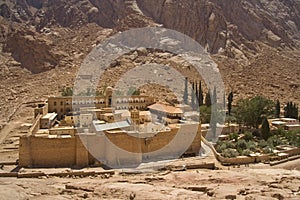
x,y
200,94
224,100
291,110
193,103
214,97
185,94
230,100
196,93
265,129
208,98
277,109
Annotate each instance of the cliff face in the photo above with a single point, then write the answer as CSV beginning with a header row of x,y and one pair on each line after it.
x,y
224,24
255,42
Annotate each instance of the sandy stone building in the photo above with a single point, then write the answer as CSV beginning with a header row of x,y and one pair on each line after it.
x,y
111,131
65,105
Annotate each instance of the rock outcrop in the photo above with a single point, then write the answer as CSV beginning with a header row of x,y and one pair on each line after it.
x,y
225,25
32,51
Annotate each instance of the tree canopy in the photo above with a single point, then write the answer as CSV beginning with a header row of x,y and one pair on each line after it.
x,y
251,112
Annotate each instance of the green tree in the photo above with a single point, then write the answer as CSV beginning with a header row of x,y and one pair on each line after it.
x,y
67,91
214,97
185,94
277,109
205,114
208,99
230,100
119,93
193,93
133,91
200,94
265,129
291,110
251,112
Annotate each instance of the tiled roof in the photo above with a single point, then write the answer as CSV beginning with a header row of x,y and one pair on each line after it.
x,y
165,108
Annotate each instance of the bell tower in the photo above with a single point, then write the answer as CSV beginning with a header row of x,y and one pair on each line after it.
x,y
135,119
108,97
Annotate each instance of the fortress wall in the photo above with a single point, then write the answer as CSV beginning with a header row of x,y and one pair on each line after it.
x,y
114,149
51,152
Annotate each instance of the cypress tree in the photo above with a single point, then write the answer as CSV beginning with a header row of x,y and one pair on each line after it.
x,y
196,94
214,98
265,129
193,104
200,94
208,99
185,94
291,110
230,100
277,109
224,101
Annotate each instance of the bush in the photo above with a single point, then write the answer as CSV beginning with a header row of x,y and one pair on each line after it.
x,y
230,153
274,141
233,136
251,145
268,150
262,144
248,136
241,144
222,146
246,152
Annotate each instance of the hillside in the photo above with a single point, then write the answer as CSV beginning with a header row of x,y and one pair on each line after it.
x,y
43,42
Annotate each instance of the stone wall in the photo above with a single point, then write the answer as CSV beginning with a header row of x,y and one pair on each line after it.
x,y
51,152
113,149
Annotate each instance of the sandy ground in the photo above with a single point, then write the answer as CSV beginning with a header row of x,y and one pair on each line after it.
x,y
239,183
259,181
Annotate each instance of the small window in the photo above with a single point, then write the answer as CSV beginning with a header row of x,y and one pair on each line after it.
x,y
54,103
61,103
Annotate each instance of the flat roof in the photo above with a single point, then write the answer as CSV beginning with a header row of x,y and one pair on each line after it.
x,y
145,113
289,119
293,125
165,108
279,122
62,128
111,126
50,116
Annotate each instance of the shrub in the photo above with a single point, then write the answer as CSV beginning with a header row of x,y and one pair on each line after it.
x,y
275,141
251,145
233,136
246,152
268,150
262,144
230,153
248,136
241,144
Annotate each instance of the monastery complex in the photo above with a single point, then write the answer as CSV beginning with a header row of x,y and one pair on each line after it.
x,y
125,130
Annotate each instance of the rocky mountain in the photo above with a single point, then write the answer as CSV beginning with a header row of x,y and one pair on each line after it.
x,y
42,42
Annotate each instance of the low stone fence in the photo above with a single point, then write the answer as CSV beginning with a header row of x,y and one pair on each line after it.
x,y
250,159
35,126
56,174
